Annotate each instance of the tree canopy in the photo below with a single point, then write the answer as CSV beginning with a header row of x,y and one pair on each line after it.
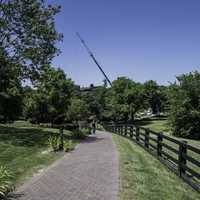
x,y
28,36
27,44
185,105
50,100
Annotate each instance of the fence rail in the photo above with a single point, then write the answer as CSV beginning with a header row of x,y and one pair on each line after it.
x,y
180,157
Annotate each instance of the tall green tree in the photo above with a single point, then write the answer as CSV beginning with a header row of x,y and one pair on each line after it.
x,y
185,105
155,96
126,99
10,91
78,110
27,43
51,98
28,36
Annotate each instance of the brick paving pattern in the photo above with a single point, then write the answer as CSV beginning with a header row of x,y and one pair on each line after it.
x,y
90,172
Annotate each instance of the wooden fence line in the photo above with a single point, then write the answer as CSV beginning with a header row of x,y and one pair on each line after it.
x,y
175,154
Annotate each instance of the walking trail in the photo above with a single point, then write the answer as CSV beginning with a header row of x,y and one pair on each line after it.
x,y
90,172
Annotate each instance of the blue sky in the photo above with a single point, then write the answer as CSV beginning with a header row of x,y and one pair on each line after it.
x,y
140,39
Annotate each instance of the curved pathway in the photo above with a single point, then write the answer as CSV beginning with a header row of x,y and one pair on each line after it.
x,y
90,172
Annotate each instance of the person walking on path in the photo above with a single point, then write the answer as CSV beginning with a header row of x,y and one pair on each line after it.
x,y
93,127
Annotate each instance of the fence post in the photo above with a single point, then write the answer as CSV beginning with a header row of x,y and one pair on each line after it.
x,y
138,134
61,145
125,130
146,142
131,131
182,160
159,144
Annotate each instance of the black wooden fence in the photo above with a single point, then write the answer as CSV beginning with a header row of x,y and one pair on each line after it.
x,y
179,156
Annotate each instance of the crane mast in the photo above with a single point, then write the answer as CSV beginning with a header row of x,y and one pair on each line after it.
x,y
93,58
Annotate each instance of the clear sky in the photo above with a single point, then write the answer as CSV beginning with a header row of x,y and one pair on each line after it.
x,y
140,39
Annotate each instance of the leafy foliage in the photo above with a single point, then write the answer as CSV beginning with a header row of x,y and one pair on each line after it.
x,y
125,99
155,96
50,102
78,109
82,133
185,106
28,34
10,90
54,142
68,145
5,182
27,43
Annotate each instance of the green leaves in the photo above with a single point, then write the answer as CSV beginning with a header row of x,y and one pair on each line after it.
x,y
28,33
155,96
185,105
5,181
51,98
69,145
27,43
54,142
126,99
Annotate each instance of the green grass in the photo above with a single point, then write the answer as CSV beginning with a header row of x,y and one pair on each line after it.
x,y
162,125
144,178
24,149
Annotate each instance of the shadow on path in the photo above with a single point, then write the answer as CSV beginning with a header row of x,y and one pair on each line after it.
x,y
91,139
13,196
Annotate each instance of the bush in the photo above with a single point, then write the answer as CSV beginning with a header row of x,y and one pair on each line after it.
x,y
54,142
186,123
82,133
5,182
68,146
85,131
100,127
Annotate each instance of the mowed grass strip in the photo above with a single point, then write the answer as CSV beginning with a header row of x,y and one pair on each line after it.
x,y
143,177
161,125
25,150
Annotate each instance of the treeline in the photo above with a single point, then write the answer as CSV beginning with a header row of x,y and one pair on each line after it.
x,y
28,44
55,99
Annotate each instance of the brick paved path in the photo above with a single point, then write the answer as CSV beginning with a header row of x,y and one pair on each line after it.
x,y
88,173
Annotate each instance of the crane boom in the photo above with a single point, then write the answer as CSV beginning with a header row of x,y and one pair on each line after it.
x,y
93,58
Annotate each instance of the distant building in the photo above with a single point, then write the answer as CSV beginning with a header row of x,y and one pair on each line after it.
x,y
90,88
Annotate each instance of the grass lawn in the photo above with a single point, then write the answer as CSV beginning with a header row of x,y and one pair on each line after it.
x,y
161,125
24,149
144,178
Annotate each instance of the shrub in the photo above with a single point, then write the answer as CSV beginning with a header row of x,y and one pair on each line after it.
x,y
100,127
85,131
82,133
54,142
5,182
68,145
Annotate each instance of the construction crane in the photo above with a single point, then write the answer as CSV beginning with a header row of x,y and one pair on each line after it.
x,y
93,58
